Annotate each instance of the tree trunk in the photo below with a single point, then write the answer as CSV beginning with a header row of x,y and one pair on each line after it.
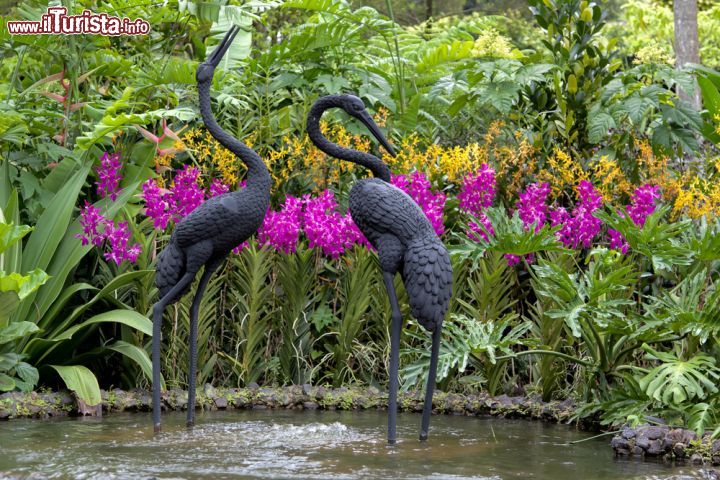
x,y
686,40
428,9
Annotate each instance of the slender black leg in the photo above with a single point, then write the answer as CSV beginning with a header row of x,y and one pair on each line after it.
x,y
430,388
192,371
394,356
158,309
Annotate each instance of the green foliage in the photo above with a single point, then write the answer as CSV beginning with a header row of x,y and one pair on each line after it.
x,y
465,341
509,236
651,23
14,288
251,296
676,381
585,63
643,101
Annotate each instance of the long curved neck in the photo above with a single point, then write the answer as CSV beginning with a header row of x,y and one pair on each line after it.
x,y
377,167
258,175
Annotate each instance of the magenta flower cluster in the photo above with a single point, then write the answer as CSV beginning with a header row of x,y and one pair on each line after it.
x,y
476,194
532,206
317,217
579,229
643,203
98,229
641,206
184,196
419,188
109,175
327,229
281,229
533,210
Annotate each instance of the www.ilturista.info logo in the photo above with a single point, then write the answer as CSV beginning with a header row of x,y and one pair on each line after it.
x,y
57,22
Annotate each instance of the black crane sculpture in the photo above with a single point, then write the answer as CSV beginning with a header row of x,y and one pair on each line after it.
x,y
405,241
208,234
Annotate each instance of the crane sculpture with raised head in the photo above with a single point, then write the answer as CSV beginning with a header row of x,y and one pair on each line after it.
x,y
208,234
405,241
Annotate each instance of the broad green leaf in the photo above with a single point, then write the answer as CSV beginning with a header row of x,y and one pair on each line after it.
x,y
11,233
136,354
49,231
16,330
11,259
120,281
710,95
39,348
9,302
82,381
8,361
130,318
702,417
6,383
23,285
28,374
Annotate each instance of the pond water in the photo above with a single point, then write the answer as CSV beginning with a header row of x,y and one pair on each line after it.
x,y
311,445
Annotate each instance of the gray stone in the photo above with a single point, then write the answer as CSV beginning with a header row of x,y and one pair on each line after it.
x,y
679,450
221,403
696,459
678,435
619,442
655,448
628,432
646,435
654,432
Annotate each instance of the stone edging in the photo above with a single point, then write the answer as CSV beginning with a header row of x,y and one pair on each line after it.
x,y
54,404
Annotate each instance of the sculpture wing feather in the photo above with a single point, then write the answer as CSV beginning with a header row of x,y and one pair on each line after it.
x,y
427,275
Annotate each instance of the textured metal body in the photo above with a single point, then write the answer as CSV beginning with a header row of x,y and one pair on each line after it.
x,y
406,243
404,239
208,234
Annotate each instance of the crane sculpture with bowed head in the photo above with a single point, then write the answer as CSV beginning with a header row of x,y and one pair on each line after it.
x,y
405,241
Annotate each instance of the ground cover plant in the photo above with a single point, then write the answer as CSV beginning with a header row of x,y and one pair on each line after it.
x,y
577,192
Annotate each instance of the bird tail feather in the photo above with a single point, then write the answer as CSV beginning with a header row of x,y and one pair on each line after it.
x,y
427,275
170,268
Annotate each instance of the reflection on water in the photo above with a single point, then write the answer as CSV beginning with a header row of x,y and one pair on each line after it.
x,y
311,445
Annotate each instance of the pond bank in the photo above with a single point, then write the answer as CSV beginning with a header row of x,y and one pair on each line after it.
x,y
53,404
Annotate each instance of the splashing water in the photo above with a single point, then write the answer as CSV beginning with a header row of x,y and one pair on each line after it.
x,y
311,445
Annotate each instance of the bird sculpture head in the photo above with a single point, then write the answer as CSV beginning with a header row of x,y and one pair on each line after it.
x,y
355,107
206,69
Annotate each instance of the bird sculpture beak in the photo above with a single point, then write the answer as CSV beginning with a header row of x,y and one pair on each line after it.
x,y
367,120
220,50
